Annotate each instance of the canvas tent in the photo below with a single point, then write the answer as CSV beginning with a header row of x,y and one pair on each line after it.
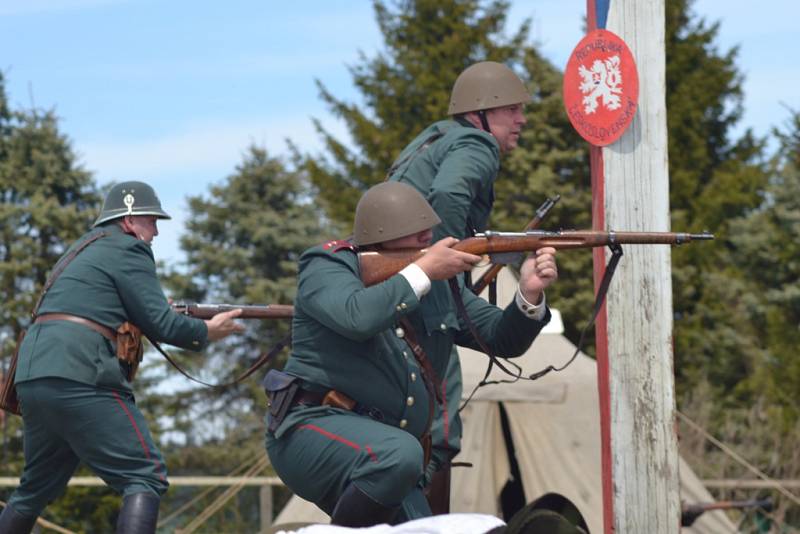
x,y
545,432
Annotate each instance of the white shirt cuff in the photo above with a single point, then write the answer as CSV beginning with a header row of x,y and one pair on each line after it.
x,y
417,279
531,311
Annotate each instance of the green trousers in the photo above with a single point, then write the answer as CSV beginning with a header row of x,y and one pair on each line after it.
x,y
65,423
330,448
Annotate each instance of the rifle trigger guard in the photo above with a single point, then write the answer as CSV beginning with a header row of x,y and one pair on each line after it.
x,y
506,258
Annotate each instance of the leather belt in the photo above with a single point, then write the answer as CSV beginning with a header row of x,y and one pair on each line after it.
x,y
105,331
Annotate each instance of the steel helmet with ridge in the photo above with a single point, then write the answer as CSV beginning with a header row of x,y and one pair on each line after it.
x,y
391,210
130,198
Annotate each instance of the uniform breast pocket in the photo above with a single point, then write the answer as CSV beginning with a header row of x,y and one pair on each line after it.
x,y
440,323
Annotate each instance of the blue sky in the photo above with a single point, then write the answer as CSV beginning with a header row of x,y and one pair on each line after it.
x,y
172,93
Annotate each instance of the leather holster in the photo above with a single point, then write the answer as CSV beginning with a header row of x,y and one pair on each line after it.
x,y
129,347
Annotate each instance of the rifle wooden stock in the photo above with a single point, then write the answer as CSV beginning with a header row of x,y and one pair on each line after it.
x,y
207,311
492,272
377,266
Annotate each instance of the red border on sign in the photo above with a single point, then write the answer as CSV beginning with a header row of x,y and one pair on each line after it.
x,y
601,87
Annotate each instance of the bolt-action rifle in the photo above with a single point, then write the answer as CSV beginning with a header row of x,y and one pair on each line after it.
x,y
377,266
492,272
690,512
207,311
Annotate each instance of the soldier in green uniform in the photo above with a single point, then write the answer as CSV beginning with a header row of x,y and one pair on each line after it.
x,y
349,410
75,394
454,163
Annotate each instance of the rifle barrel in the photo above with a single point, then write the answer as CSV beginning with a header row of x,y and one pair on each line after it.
x,y
377,266
207,311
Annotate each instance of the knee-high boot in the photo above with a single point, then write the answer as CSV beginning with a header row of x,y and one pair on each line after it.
x,y
138,514
12,522
357,509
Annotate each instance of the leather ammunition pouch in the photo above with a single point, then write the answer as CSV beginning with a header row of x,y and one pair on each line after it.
x,y
8,389
281,389
130,348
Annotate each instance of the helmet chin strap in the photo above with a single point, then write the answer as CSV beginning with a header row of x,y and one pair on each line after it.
x,y
484,120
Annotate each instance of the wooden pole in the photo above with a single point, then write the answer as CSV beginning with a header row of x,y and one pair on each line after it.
x,y
630,186
265,507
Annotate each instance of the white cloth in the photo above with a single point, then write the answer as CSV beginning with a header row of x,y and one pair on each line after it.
x,y
532,311
438,524
417,279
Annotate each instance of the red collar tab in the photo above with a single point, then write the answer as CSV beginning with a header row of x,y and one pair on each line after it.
x,y
337,245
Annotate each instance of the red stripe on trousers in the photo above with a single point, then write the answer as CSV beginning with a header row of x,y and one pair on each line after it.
x,y
138,433
340,439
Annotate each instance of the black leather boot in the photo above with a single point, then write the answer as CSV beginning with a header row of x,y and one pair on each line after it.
x,y
138,514
12,522
357,509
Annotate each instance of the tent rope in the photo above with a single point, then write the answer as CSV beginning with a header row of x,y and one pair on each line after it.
x,y
241,467
730,452
46,524
224,497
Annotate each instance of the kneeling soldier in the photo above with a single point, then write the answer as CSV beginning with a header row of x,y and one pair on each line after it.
x,y
78,359
349,420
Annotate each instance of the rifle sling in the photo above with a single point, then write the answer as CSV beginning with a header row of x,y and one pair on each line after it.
x,y
602,290
264,358
616,255
493,360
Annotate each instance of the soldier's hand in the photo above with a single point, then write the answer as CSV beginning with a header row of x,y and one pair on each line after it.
x,y
223,325
538,271
441,261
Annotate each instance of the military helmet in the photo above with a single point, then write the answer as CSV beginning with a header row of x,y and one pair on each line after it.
x,y
486,85
391,210
130,198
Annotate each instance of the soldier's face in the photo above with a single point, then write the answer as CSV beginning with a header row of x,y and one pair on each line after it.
x,y
506,124
143,227
419,240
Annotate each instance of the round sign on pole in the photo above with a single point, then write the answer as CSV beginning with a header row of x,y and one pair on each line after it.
x,y
601,87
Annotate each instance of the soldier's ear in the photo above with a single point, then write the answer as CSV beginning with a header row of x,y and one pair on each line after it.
x,y
126,223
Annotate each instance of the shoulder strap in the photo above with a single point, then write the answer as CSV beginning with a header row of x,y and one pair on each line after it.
x,y
428,142
61,265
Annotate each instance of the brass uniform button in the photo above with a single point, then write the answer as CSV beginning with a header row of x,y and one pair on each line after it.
x,y
403,423
410,401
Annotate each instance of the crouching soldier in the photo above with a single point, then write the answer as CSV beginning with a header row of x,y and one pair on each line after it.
x,y
350,415
78,359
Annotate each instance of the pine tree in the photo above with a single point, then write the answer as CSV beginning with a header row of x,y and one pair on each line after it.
x,y
713,180
769,253
48,201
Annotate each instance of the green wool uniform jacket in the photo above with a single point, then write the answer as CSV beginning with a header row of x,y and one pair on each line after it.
x,y
111,281
346,336
455,172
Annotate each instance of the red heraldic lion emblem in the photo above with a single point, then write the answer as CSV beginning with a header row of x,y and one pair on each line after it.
x,y
601,87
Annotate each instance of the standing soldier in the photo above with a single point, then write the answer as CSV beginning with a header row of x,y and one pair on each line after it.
x,y
349,420
454,163
78,359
